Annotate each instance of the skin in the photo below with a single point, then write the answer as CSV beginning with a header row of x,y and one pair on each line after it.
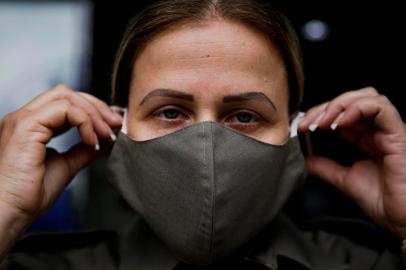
x,y
206,62
209,62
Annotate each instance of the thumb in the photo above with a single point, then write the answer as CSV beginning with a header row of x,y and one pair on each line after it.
x,y
61,168
329,171
358,182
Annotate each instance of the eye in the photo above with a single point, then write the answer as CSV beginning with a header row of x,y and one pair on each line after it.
x,y
171,113
242,117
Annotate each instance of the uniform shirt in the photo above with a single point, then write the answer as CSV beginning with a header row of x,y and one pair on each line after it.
x,y
282,245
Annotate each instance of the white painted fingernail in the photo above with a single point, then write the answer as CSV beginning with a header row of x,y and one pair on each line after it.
x,y
113,137
313,127
96,145
334,125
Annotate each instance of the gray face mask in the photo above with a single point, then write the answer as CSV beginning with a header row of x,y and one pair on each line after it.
x,y
205,190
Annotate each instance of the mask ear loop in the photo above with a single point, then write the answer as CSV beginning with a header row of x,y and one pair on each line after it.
x,y
305,140
124,125
294,124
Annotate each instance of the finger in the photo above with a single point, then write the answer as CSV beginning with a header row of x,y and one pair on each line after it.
x,y
340,103
101,125
317,116
118,110
112,117
377,110
364,141
311,116
61,113
357,182
60,91
327,170
67,164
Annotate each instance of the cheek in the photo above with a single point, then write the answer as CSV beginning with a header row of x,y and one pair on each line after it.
x,y
144,130
275,134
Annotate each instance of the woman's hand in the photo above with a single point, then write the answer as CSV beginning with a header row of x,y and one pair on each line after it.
x,y
377,185
32,175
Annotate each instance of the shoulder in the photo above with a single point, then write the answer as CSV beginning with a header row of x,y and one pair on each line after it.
x,y
359,243
43,242
354,232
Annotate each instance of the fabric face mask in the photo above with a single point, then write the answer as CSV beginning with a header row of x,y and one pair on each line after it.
x,y
205,190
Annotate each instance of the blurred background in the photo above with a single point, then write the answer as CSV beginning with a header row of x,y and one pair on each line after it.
x,y
346,46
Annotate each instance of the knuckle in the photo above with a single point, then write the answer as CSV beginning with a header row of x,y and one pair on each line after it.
x,y
24,122
61,86
370,90
67,104
336,104
64,105
63,90
317,109
9,120
384,100
96,101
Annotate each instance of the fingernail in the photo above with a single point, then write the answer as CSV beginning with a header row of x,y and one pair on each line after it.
x,y
97,145
117,109
334,125
108,128
113,137
313,126
119,118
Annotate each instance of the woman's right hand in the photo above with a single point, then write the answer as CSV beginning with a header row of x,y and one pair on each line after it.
x,y
32,175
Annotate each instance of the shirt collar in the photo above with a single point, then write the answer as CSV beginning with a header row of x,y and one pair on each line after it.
x,y
140,247
283,239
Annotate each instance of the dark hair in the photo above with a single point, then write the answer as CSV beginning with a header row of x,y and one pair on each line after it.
x,y
168,13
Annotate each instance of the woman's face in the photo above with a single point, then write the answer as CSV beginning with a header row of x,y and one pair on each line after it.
x,y
214,71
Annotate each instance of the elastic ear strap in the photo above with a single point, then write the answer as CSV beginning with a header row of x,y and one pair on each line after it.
x,y
294,125
124,125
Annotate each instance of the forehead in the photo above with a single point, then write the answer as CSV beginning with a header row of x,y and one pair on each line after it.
x,y
213,54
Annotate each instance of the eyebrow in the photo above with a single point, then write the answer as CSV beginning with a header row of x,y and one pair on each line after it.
x,y
167,93
247,96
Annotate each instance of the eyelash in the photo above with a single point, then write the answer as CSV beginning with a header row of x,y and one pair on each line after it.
x,y
159,113
234,113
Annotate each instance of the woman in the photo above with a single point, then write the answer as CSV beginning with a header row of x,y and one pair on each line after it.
x,y
195,76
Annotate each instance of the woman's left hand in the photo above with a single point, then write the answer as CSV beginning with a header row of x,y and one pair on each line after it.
x,y
377,185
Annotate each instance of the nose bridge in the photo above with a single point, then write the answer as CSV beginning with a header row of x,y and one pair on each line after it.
x,y
207,114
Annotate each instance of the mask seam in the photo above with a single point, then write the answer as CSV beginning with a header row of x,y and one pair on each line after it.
x,y
206,165
213,195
